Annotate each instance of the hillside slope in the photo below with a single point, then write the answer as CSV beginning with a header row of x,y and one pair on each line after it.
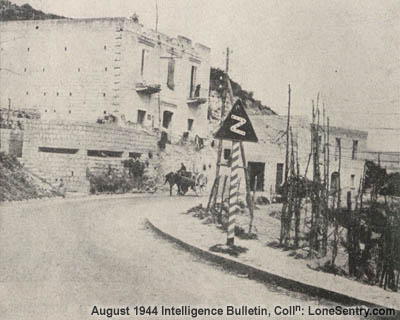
x,y
16,183
10,12
253,105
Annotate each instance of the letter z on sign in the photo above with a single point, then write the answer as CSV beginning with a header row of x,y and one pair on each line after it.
x,y
235,127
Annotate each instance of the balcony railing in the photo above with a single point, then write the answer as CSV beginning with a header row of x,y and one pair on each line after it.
x,y
197,95
146,88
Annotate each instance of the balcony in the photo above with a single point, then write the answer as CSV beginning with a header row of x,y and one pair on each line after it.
x,y
196,96
146,88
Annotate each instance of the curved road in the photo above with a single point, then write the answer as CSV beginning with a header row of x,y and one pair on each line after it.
x,y
59,259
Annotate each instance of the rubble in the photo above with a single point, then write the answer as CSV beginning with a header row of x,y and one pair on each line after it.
x,y
17,183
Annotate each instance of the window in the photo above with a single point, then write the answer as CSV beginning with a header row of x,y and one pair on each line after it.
x,y
104,153
337,148
193,81
58,150
141,116
227,154
167,117
279,175
256,175
353,178
171,74
190,124
142,66
135,155
354,150
335,183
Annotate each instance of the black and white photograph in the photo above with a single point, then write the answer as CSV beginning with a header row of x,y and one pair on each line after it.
x,y
202,159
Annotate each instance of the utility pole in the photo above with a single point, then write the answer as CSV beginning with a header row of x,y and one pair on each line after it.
x,y
316,193
287,138
215,188
312,154
227,86
286,190
297,203
318,179
156,15
325,196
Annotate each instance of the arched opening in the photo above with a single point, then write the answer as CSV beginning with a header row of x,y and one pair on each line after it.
x,y
334,183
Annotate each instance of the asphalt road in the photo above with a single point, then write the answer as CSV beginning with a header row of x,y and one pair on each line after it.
x,y
59,259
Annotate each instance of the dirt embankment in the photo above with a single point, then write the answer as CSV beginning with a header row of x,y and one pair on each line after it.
x,y
16,183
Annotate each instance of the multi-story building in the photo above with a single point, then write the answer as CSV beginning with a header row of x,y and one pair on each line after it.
x,y
106,69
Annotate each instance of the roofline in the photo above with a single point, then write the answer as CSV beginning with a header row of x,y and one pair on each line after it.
x,y
305,121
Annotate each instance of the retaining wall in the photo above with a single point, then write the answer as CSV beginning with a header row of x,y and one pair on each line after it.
x,y
63,150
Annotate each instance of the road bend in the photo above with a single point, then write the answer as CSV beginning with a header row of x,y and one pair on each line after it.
x,y
59,259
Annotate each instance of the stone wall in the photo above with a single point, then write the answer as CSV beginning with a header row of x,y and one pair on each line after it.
x,y
63,150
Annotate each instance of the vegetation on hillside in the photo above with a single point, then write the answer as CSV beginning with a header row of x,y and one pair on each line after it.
x,y
10,12
217,83
16,183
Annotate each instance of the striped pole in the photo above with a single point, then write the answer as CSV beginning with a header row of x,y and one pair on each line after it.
x,y
233,191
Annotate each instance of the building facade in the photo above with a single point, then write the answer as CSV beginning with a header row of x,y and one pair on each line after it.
x,y
266,159
102,70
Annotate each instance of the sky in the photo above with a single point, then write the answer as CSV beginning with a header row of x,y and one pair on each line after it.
x,y
348,51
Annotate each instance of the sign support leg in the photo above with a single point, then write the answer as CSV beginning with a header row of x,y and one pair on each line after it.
x,y
233,206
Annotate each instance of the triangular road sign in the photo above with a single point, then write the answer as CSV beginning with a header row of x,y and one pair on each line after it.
x,y
237,125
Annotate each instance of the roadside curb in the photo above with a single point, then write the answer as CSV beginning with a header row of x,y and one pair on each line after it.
x,y
266,276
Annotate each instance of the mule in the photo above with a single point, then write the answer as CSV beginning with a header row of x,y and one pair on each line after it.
x,y
173,179
183,182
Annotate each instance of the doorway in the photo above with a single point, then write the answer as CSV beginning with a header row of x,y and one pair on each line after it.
x,y
256,170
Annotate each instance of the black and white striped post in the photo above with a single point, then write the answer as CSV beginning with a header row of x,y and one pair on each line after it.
x,y
237,128
233,190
